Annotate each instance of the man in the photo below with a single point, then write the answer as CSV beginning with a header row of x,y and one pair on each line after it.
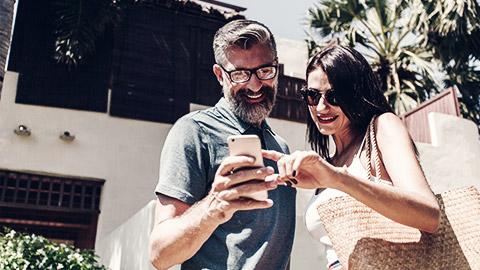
x,y
202,219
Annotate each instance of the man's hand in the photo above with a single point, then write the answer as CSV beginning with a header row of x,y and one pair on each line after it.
x,y
180,230
230,188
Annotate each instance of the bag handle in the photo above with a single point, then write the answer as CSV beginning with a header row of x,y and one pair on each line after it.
x,y
371,143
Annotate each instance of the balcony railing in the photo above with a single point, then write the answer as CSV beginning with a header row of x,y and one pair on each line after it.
x,y
31,190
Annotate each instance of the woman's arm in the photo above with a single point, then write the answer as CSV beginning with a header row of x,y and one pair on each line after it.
x,y
409,202
404,205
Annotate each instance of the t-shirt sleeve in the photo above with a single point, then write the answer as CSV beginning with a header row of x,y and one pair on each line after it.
x,y
183,163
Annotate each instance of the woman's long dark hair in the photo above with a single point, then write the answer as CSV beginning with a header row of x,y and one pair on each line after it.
x,y
355,87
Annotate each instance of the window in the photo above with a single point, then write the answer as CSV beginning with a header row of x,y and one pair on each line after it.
x,y
60,208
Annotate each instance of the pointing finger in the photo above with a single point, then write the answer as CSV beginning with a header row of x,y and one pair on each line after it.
x,y
272,154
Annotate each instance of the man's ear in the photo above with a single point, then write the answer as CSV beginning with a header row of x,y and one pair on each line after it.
x,y
218,73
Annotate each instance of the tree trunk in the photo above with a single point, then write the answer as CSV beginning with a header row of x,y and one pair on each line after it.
x,y
6,19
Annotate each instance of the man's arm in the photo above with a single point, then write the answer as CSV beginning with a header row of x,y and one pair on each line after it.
x,y
180,229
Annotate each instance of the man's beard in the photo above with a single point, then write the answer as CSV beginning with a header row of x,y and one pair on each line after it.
x,y
252,113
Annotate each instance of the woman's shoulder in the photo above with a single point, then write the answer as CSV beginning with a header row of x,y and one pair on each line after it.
x,y
389,123
390,128
388,118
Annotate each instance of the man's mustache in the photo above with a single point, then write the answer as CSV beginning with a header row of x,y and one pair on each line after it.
x,y
250,92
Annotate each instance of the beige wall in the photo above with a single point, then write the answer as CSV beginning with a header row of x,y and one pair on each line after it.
x,y
126,248
453,158
293,55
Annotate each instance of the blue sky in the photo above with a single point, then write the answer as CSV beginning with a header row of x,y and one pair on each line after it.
x,y
285,18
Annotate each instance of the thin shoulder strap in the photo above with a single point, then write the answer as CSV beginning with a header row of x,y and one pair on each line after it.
x,y
371,143
361,146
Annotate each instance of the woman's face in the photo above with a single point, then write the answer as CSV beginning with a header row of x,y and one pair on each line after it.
x,y
329,119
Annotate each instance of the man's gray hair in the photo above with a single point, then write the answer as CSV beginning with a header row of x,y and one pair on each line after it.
x,y
242,34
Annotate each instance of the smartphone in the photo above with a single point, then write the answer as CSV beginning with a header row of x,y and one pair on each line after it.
x,y
248,145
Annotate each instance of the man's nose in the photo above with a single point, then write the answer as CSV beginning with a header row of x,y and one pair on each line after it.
x,y
254,83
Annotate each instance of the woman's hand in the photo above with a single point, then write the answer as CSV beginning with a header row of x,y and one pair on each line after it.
x,y
306,169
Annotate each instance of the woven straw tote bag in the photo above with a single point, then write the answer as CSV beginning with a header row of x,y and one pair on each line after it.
x,y
364,239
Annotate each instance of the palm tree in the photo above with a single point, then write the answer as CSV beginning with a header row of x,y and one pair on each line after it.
x,y
454,38
384,31
6,19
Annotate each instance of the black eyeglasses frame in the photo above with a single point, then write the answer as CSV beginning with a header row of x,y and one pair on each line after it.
x,y
252,71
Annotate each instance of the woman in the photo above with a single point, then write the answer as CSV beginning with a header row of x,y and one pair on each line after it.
x,y
342,97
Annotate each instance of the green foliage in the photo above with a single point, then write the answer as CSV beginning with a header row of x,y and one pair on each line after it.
x,y
383,30
454,25
454,38
24,251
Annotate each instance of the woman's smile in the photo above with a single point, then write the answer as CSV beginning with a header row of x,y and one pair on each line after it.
x,y
326,119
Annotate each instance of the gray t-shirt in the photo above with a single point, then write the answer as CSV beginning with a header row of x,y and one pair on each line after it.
x,y
193,150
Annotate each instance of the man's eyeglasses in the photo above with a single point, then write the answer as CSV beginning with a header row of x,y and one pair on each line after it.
x,y
263,73
312,96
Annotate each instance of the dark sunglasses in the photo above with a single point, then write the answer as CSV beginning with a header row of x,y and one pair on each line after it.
x,y
312,96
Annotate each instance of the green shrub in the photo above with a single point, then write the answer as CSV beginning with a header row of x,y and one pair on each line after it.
x,y
19,251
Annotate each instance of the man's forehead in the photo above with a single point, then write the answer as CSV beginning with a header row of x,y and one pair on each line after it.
x,y
257,55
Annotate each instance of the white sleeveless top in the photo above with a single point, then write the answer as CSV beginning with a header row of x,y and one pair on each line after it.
x,y
311,217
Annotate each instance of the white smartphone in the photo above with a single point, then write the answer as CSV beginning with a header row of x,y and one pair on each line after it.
x,y
248,145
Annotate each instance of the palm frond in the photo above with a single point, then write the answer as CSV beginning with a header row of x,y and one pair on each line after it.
x,y
78,25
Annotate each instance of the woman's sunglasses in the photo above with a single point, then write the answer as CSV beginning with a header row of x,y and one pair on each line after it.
x,y
312,96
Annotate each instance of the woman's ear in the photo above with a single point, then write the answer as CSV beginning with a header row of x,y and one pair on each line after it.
x,y
218,73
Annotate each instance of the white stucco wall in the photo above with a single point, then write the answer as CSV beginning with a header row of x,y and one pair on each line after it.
x,y
453,158
293,54
126,248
